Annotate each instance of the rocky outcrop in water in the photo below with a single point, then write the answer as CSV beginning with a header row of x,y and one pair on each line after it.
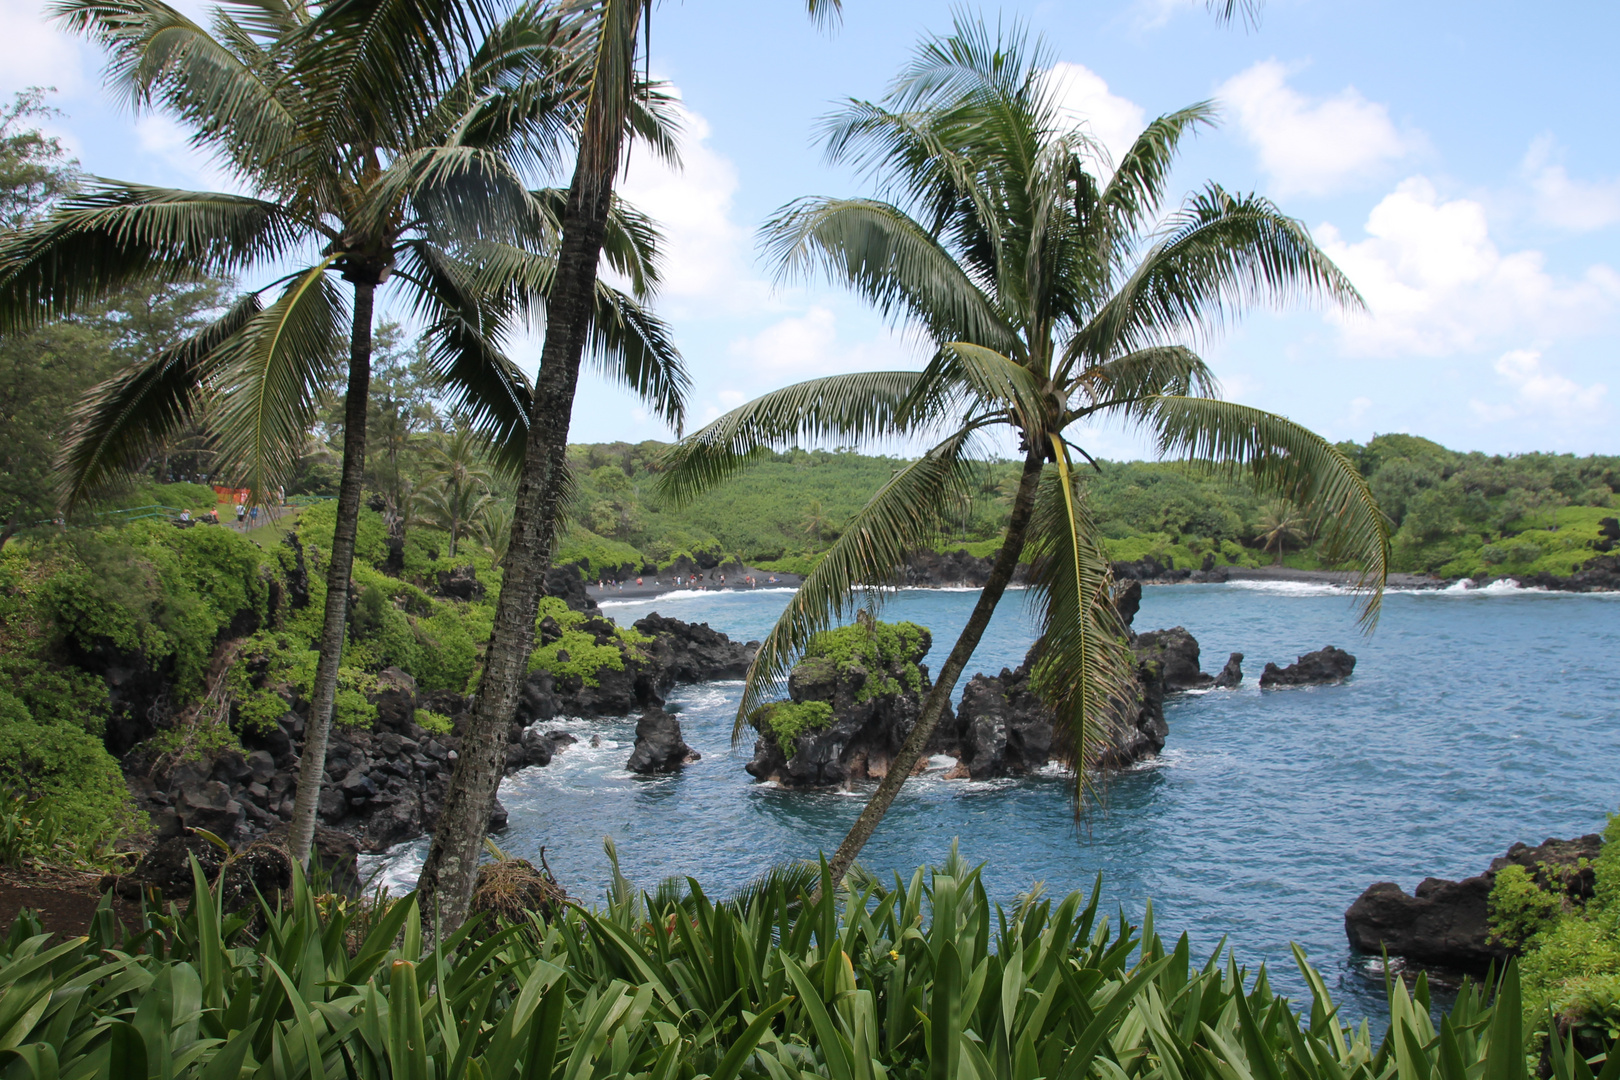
x,y
1150,569
1319,668
946,569
679,652
868,701
684,652
1446,924
1231,676
1004,729
659,745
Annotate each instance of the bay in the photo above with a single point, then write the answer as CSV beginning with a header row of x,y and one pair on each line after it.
x,y
1474,719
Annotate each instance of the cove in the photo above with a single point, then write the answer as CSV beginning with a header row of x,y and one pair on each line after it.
x,y
1474,719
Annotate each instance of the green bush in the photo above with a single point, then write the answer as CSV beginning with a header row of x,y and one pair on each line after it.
x,y
784,721
878,647
70,767
1571,962
438,723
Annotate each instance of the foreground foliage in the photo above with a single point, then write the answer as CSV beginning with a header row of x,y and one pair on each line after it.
x,y
920,978
1571,963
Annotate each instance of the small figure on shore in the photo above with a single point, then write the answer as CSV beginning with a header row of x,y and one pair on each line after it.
x,y
253,515
638,581
185,517
241,514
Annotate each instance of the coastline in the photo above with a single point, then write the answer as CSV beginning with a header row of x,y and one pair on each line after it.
x,y
653,587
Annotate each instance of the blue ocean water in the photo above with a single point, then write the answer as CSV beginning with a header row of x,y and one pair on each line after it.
x,y
1474,719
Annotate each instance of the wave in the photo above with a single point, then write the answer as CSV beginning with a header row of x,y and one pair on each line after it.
x,y
693,594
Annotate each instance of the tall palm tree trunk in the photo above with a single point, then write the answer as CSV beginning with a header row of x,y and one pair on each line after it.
x,y
451,868
1001,572
312,759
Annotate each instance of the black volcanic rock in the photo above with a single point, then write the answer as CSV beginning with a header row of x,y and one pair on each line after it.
x,y
1176,653
687,652
659,745
1326,665
865,732
459,583
1231,676
1447,923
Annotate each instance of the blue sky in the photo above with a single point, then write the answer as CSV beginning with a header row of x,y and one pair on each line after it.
x,y
1456,158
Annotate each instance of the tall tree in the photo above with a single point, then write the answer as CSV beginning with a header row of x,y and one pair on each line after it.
x,y
451,866
1054,298
382,140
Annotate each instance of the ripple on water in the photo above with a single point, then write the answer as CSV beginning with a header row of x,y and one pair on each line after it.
x,y
1267,814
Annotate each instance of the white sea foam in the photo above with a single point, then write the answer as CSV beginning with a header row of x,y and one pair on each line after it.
x,y
1294,588
693,594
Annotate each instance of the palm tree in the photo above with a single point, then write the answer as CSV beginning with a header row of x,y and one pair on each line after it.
x,y
446,882
460,482
381,142
493,529
1280,524
1053,297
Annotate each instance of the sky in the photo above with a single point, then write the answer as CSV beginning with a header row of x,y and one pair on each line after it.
x,y
1455,159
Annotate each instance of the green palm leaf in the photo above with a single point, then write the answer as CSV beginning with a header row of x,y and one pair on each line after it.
x,y
846,408
1136,190
1221,254
886,257
1083,671
119,420
631,346
275,370
1290,461
115,235
905,514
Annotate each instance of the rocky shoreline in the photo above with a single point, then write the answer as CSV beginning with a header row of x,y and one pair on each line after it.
x,y
1445,925
386,784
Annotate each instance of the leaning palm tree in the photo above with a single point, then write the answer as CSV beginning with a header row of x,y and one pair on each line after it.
x,y
381,142
1054,297
449,871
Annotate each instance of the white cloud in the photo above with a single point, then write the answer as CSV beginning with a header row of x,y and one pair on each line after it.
x,y
1577,205
33,52
808,346
1436,283
1113,121
1312,146
706,253
1537,391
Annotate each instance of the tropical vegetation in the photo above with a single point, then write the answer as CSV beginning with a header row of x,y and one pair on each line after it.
x,y
1054,295
918,978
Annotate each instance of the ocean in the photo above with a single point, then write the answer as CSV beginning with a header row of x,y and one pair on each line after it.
x,y
1475,718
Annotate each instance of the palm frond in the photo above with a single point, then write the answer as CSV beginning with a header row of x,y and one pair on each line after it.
x,y
116,423
905,514
1136,190
886,257
1120,385
114,235
251,115
631,346
1290,461
466,324
843,408
1082,668
966,375
274,372
1221,254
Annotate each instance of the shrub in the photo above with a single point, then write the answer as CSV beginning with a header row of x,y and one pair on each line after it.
x,y
784,721
438,723
880,648
68,766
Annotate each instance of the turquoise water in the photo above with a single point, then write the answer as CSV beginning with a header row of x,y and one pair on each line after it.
x,y
1473,720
